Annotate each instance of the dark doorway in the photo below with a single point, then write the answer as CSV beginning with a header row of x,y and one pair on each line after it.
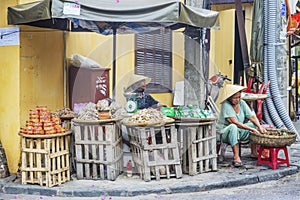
x,y
238,70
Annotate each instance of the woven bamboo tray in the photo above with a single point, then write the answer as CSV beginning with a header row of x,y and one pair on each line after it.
x,y
270,140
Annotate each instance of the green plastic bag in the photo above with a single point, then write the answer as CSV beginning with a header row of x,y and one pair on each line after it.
x,y
168,111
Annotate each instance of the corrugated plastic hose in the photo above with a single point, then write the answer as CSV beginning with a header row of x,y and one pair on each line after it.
x,y
267,50
270,19
267,117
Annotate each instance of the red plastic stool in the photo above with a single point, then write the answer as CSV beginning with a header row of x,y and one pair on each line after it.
x,y
272,159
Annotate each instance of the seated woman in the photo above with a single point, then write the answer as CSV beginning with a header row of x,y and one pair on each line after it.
x,y
236,120
137,84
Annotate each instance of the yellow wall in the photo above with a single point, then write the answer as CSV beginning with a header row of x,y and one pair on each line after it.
x,y
41,70
30,74
222,40
222,45
10,95
10,104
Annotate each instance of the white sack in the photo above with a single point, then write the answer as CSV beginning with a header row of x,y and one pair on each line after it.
x,y
81,61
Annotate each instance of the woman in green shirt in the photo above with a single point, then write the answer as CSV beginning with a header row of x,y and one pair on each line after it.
x,y
236,120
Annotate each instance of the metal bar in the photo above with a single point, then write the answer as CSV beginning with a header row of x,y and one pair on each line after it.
x,y
114,62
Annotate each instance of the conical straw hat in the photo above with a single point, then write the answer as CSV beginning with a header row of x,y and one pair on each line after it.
x,y
228,90
134,80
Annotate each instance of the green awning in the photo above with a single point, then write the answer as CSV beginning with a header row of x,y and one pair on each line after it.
x,y
89,13
30,12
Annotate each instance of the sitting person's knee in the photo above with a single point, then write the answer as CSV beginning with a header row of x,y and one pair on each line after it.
x,y
232,133
232,127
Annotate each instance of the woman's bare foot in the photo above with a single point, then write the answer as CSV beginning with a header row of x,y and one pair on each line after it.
x,y
237,159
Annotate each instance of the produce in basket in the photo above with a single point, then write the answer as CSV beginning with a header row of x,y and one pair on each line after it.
x,y
64,113
274,138
89,112
108,105
277,132
144,117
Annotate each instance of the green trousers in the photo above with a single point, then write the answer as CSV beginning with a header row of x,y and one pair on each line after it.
x,y
232,134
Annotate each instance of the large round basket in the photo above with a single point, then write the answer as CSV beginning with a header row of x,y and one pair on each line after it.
x,y
274,138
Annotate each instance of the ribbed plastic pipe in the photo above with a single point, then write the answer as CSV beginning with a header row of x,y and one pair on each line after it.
x,y
267,117
266,111
270,113
272,68
271,72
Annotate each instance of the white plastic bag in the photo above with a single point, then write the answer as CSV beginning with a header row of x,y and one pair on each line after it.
x,y
81,61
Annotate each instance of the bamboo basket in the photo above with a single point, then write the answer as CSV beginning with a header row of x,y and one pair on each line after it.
x,y
274,138
104,114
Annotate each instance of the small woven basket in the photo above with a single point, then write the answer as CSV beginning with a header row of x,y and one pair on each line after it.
x,y
274,138
103,114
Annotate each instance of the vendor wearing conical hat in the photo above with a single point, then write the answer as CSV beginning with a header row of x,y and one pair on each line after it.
x,y
236,120
137,84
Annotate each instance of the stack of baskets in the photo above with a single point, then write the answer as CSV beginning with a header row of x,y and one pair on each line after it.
x,y
274,138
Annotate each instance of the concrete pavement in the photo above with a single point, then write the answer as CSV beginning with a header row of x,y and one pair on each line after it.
x,y
226,176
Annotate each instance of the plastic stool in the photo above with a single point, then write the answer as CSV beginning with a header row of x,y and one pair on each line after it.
x,y
272,159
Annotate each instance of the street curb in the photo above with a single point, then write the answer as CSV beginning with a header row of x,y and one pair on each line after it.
x,y
269,175
246,180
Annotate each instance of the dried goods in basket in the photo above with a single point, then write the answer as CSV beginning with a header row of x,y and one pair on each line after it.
x,y
147,117
64,113
274,138
165,120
